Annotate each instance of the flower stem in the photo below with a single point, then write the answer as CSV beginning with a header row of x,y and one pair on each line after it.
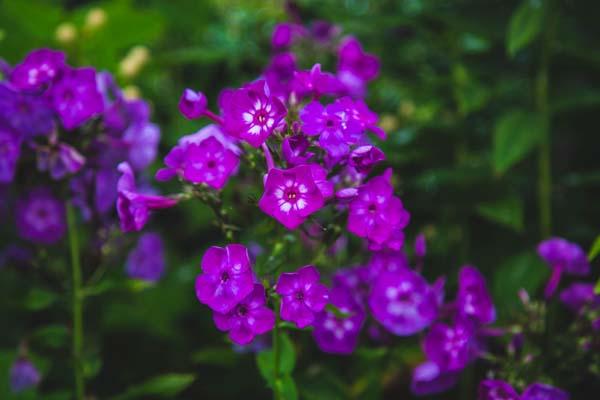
x,y
77,305
276,353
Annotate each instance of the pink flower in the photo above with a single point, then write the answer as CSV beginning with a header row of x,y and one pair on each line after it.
x,y
292,195
209,162
192,104
301,295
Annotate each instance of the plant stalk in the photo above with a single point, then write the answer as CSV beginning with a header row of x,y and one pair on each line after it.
x,y
276,353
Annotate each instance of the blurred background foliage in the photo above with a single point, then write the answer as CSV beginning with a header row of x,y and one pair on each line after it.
x,y
461,96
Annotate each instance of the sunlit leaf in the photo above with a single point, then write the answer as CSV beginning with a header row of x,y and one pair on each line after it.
x,y
524,26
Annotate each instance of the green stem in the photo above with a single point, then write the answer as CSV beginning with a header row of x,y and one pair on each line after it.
x,y
276,353
543,108
77,305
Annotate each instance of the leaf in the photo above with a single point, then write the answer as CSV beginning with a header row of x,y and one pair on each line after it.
x,y
54,336
524,26
597,288
595,249
523,271
287,359
507,212
287,388
38,299
166,386
223,357
516,133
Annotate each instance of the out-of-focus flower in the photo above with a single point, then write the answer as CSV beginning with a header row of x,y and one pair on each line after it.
x,y
10,151
134,61
40,216
355,67
541,391
65,33
493,389
279,75
23,375
579,295
60,160
420,245
562,256
473,299
95,19
284,34
450,347
357,280
38,69
147,261
192,104
27,114
428,378
316,83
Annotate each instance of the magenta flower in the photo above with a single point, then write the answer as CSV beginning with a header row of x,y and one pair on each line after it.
x,y
248,318
192,104
355,67
75,97
292,195
147,260
23,375
38,69
375,213
562,256
579,295
301,295
420,246
492,389
284,34
27,114
357,280
541,391
10,151
387,261
450,347
40,217
226,279
59,161
279,74
295,150
403,302
428,378
339,334
208,162
473,299
134,207
315,83
363,158
252,113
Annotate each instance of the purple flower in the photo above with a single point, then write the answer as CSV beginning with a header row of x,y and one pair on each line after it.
x,y
293,194
403,302
252,113
562,256
226,278
355,67
60,160
75,97
26,114
492,389
579,295
339,334
357,280
375,213
428,378
143,144
473,299
450,347
301,295
105,189
315,83
23,375
146,261
39,68
420,245
40,217
248,318
279,74
192,104
284,34
541,391
10,151
324,31
363,158
208,162
215,131
387,261
295,150
134,207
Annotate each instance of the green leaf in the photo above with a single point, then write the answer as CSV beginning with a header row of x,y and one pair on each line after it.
x,y
516,133
222,357
597,288
507,212
287,388
524,26
523,271
166,386
54,336
287,359
595,249
38,299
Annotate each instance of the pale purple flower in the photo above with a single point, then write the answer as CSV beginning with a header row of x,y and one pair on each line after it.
x,y
75,97
105,189
284,34
358,112
355,67
10,151
143,143
420,245
450,347
357,280
208,162
493,389
363,158
302,296
339,334
295,150
27,114
394,242
541,391
212,130
192,104
23,375
387,261
562,256
428,378
134,207
60,160
226,277
248,318
279,74
315,83
375,213
38,69
291,195
324,31
403,302
473,299
40,217
579,295
147,260
252,113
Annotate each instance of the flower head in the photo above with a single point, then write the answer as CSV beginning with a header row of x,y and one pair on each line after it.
x,y
23,375
363,158
355,67
248,318
39,68
492,389
10,151
284,34
579,295
192,104
226,277
146,261
301,295
252,113
279,74
40,217
292,195
562,256
357,280
295,150
450,347
428,378
316,83
338,334
208,162
541,391
27,114
60,161
473,299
